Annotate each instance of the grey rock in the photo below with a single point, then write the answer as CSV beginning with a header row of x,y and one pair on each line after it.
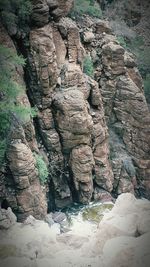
x,y
58,217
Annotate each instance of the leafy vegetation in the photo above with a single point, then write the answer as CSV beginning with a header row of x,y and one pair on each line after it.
x,y
122,41
15,13
88,66
147,87
9,91
89,7
42,168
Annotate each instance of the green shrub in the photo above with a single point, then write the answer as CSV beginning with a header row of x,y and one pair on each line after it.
x,y
142,52
3,146
42,168
122,41
15,12
147,87
89,7
9,90
88,66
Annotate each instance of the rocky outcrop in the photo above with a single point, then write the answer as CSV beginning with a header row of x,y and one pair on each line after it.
x,y
70,109
7,218
121,237
125,229
125,106
92,132
28,192
20,188
44,11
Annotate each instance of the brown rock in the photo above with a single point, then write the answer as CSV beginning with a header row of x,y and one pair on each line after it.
x,y
7,218
95,93
129,60
60,47
125,186
103,26
113,59
63,8
102,195
81,163
88,36
103,171
40,13
44,60
73,120
29,195
136,77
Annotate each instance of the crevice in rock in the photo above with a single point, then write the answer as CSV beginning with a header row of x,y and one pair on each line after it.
x,y
4,204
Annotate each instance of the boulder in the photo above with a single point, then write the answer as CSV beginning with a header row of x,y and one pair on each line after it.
x,y
88,36
7,218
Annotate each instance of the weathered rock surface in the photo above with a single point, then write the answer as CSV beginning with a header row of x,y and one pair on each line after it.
x,y
87,158
82,162
29,196
7,218
114,242
72,117
127,244
20,188
45,10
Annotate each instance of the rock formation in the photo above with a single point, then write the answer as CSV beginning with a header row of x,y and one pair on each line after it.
x,y
93,133
121,238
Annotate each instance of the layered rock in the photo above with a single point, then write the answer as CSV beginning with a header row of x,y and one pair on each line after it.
x,y
20,188
70,109
120,237
45,10
126,107
126,110
28,192
73,108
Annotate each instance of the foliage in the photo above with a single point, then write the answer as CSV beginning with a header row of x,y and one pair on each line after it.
x,y
135,45
3,146
89,7
9,90
122,41
88,66
42,168
15,12
147,87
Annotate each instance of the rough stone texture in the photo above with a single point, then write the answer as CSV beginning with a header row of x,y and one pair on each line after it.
x,y
45,10
20,188
63,8
113,59
115,242
29,195
126,112
7,218
71,130
69,29
118,231
82,162
88,36
44,58
102,26
102,195
72,117
40,13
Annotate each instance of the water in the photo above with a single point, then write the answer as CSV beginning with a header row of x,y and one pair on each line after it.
x,y
83,219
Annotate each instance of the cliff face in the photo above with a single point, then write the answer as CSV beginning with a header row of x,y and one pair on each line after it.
x,y
93,133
